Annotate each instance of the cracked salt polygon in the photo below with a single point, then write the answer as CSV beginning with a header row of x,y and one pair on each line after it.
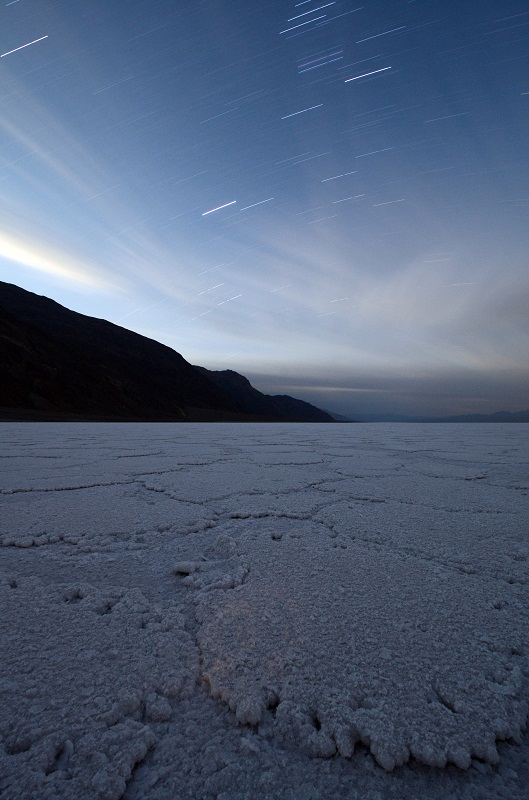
x,y
351,585
407,664
101,668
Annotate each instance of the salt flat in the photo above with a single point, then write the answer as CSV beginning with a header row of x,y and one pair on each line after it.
x,y
243,611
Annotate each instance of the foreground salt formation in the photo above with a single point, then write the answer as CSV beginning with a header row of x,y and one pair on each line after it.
x,y
254,611
361,644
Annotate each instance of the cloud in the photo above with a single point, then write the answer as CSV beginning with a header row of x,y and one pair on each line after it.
x,y
420,392
39,256
58,185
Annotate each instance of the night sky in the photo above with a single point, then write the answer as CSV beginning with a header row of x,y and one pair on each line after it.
x,y
329,197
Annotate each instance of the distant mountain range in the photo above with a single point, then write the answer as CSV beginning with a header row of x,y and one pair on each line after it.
x,y
498,416
57,364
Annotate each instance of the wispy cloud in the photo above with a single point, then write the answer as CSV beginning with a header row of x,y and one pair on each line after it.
x,y
39,256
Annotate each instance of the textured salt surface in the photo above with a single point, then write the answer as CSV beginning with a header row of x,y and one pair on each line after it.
x,y
264,611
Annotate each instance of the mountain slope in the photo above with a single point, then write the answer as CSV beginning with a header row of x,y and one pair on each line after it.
x,y
56,363
282,407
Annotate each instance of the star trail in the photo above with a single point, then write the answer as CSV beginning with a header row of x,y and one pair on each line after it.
x,y
171,165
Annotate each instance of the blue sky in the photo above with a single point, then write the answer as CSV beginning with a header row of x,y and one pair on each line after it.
x,y
367,163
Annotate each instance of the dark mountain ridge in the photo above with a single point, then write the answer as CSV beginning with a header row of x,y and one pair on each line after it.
x,y
240,390
59,364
